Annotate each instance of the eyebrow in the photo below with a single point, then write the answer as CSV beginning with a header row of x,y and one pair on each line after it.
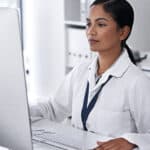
x,y
98,19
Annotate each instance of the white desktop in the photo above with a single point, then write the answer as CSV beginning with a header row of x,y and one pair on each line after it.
x,y
14,119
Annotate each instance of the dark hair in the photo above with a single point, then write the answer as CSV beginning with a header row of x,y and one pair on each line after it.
x,y
122,12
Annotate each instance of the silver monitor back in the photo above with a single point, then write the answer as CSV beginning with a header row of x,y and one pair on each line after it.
x,y
14,116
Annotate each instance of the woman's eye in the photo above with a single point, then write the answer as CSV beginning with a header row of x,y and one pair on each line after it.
x,y
88,24
101,25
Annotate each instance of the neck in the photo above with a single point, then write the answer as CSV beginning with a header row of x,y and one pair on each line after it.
x,y
106,60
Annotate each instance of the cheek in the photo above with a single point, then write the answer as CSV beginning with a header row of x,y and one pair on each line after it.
x,y
109,36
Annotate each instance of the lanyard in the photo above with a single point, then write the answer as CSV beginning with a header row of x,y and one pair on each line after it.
x,y
87,109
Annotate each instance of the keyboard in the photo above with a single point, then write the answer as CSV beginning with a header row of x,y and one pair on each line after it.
x,y
63,137
56,140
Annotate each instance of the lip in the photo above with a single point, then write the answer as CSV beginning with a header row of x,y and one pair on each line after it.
x,y
93,41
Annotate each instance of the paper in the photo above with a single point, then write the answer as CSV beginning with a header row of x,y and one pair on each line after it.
x,y
3,148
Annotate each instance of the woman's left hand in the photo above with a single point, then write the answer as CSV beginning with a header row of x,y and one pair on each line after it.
x,y
115,144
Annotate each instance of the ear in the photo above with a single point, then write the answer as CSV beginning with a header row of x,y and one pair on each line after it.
x,y
124,32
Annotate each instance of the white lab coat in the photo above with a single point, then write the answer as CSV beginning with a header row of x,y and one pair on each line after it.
x,y
122,108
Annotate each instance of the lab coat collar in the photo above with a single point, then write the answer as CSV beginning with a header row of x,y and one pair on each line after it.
x,y
120,66
116,70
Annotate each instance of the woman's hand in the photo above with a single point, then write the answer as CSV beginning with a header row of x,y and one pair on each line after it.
x,y
115,144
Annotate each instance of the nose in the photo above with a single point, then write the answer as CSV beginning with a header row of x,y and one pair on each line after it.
x,y
91,30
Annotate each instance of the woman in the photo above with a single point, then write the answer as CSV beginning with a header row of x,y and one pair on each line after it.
x,y
110,95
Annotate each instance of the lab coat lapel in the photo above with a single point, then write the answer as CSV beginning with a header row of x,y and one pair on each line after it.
x,y
92,70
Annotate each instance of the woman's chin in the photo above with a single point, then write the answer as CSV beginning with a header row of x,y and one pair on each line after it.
x,y
94,49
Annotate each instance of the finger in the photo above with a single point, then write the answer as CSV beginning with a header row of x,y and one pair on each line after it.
x,y
99,143
109,146
99,147
96,148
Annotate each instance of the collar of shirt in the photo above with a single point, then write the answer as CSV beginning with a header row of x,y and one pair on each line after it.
x,y
116,70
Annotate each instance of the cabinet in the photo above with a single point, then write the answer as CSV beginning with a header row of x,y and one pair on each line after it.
x,y
76,43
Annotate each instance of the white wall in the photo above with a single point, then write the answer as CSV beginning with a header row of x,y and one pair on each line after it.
x,y
44,45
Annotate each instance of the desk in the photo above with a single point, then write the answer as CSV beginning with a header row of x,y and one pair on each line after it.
x,y
84,140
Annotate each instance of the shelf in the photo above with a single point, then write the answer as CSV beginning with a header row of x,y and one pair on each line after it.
x,y
76,24
76,43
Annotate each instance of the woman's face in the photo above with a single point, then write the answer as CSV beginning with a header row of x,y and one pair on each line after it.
x,y
102,31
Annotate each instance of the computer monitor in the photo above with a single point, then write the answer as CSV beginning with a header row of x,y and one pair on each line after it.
x,y
14,116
